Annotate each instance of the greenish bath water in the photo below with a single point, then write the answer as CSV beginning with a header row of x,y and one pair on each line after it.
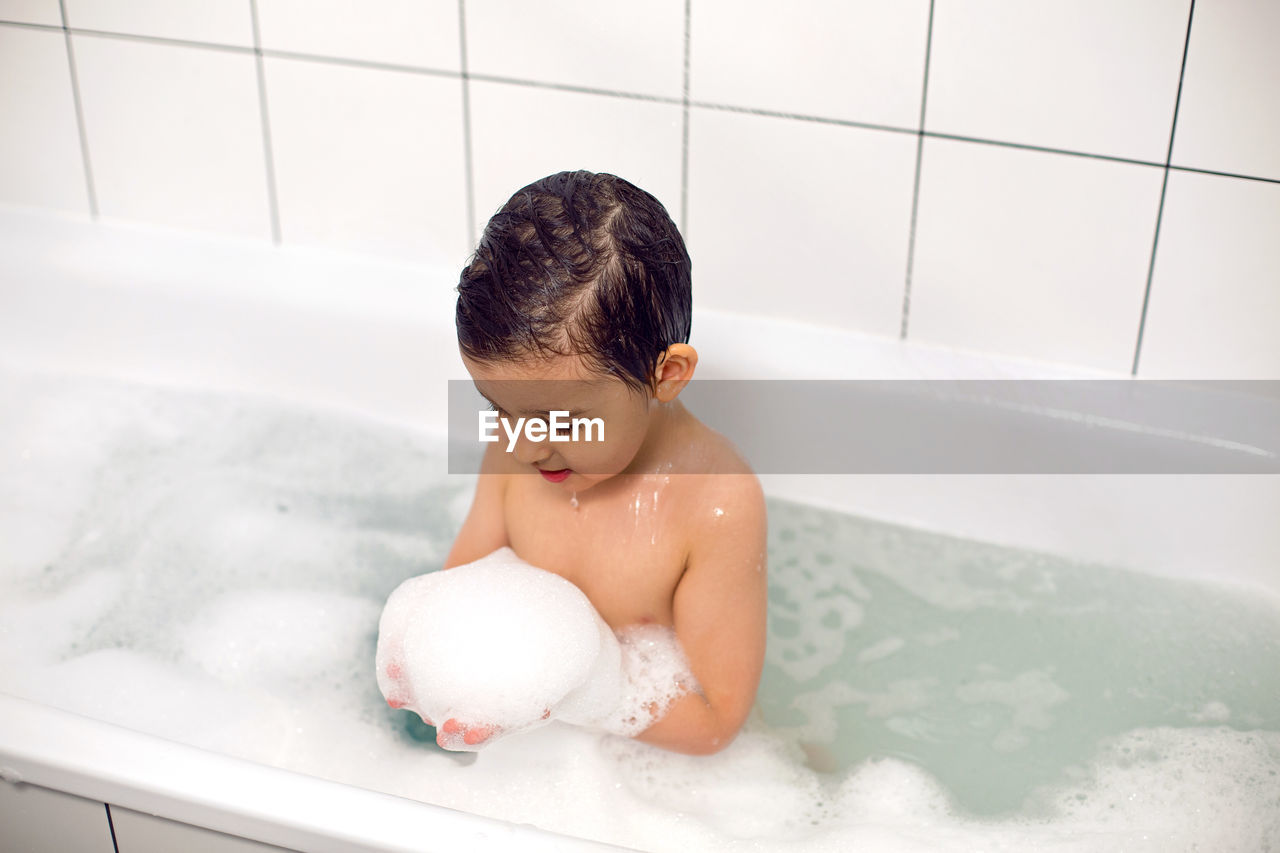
x,y
997,670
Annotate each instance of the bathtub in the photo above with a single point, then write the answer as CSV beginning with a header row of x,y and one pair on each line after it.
x,y
374,336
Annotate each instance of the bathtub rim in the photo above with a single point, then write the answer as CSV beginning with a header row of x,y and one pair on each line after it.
x,y
99,761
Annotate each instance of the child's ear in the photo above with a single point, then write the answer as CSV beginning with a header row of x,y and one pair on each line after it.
x,y
675,369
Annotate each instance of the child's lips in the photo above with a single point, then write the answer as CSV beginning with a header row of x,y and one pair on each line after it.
x,y
555,476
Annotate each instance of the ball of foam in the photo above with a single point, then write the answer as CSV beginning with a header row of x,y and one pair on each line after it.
x,y
497,642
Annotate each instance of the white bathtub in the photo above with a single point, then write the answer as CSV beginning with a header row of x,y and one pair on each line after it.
x,y
376,337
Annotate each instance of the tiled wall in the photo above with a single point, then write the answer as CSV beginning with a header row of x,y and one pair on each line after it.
x,y
998,175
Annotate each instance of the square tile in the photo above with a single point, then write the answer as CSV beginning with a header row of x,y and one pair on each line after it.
x,y
1215,295
368,160
32,12
522,133
862,61
213,21
1229,118
40,160
420,33
799,220
175,134
1096,76
621,47
1031,254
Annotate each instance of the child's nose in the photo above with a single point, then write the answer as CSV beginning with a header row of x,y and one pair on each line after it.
x,y
530,452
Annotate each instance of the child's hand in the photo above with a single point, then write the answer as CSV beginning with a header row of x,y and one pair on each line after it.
x,y
401,696
447,735
471,735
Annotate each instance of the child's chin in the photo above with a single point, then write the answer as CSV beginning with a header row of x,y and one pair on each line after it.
x,y
577,482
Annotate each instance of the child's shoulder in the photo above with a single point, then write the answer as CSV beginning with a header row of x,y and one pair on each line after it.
x,y
729,484
710,452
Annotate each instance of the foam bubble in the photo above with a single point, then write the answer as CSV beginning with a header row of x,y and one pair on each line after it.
x,y
497,643
270,637
656,673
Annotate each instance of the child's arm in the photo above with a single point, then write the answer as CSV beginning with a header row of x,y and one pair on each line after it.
x,y
484,531
720,612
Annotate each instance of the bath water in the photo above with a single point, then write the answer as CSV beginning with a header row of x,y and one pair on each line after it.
x,y
211,569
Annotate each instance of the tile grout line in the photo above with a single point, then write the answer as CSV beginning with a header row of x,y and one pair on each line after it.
x,y
915,190
1221,174
1164,186
90,190
684,124
273,201
1043,149
468,164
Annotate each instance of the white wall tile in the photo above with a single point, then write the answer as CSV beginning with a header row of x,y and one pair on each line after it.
x,y
861,61
368,160
216,21
623,47
1032,254
175,135
40,820
1229,119
40,161
32,12
799,220
420,33
522,133
1097,76
1215,296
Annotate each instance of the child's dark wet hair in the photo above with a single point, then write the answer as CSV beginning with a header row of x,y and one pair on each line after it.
x,y
578,263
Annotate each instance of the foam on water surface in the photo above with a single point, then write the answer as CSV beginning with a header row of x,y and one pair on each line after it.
x,y
212,569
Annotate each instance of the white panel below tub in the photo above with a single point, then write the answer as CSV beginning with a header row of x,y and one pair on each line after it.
x,y
143,833
1229,117
860,61
368,160
1215,295
46,12
422,33
40,161
216,21
522,133
175,135
799,220
1096,76
622,47
1033,255
40,820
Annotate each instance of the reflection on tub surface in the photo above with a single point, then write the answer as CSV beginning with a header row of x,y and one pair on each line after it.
x,y
211,569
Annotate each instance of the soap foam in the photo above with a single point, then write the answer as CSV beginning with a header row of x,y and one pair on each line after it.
x,y
497,643
655,674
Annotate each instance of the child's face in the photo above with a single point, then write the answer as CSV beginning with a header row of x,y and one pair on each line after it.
x,y
533,387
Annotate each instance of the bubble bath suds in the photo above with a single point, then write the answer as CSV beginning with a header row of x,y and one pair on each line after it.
x,y
504,645
212,570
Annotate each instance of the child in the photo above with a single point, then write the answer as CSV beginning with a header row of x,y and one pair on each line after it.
x,y
583,279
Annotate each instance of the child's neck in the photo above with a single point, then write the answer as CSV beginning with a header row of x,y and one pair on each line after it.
x,y
666,440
